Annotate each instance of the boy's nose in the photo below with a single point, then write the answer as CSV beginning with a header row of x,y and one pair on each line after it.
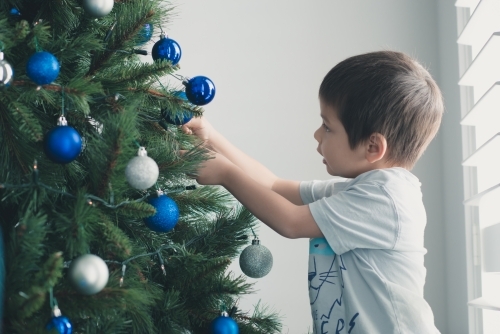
x,y
316,135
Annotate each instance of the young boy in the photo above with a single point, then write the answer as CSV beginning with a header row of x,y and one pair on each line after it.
x,y
380,110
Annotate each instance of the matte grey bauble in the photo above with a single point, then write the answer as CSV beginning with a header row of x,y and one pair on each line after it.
x,y
142,171
98,8
89,274
256,260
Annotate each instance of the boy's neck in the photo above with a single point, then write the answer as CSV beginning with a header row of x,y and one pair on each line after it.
x,y
376,165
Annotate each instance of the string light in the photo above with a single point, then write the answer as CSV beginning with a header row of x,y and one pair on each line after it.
x,y
66,264
36,183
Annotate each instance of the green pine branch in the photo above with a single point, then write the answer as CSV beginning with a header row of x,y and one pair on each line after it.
x,y
87,206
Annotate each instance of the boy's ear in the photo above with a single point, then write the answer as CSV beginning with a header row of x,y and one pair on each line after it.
x,y
376,147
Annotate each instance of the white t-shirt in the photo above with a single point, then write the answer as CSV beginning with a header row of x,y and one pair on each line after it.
x,y
367,274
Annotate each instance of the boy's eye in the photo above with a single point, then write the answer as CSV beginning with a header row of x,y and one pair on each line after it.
x,y
326,128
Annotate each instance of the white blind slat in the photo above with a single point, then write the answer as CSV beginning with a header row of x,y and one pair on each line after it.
x,y
485,69
486,109
490,192
483,21
490,237
483,154
467,3
485,303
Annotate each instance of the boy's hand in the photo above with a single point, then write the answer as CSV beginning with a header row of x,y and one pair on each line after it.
x,y
200,127
213,171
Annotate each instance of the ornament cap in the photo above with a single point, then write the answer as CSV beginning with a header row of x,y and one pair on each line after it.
x,y
159,192
62,121
224,314
142,152
163,36
56,312
256,241
1,55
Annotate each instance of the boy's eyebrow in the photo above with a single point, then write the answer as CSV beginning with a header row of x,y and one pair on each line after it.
x,y
324,117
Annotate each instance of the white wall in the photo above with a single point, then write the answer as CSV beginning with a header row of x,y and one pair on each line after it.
x,y
267,59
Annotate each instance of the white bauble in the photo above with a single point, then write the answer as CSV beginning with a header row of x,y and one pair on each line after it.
x,y
6,72
89,274
142,171
98,8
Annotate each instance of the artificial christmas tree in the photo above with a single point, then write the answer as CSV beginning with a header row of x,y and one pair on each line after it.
x,y
76,104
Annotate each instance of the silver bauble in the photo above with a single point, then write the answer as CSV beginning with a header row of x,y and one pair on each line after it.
x,y
98,8
256,260
89,274
6,72
142,171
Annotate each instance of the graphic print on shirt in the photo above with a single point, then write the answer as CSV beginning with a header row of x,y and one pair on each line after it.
x,y
326,290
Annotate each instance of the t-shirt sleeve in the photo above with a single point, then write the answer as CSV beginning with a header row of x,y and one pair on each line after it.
x,y
361,216
311,191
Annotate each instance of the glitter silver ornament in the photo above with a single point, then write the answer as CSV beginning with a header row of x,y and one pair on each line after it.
x,y
89,274
256,260
6,72
142,171
98,8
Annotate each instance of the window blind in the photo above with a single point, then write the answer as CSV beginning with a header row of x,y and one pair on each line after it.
x,y
479,55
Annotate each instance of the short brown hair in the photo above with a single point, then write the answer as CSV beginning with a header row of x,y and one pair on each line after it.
x,y
386,92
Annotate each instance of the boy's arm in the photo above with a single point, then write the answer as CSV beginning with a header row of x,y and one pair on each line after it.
x,y
216,141
283,216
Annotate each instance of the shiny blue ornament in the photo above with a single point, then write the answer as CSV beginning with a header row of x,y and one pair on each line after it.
x,y
167,49
43,68
180,119
61,324
62,144
15,12
224,325
145,34
200,90
166,216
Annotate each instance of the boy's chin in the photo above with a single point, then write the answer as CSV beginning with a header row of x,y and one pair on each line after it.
x,y
338,173
330,171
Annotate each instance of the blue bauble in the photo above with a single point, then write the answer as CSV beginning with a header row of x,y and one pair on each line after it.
x,y
200,90
186,114
42,68
62,144
224,325
61,324
167,49
166,216
15,12
145,34
179,119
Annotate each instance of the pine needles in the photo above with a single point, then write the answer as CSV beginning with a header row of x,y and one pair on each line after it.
x,y
52,213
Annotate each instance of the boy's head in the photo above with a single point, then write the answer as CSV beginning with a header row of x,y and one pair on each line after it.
x,y
385,93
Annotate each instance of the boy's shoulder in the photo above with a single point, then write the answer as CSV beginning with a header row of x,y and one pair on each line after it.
x,y
398,185
387,177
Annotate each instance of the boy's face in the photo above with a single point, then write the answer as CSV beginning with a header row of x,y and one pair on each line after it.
x,y
333,145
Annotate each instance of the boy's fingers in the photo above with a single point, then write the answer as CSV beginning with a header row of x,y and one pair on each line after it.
x,y
186,129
